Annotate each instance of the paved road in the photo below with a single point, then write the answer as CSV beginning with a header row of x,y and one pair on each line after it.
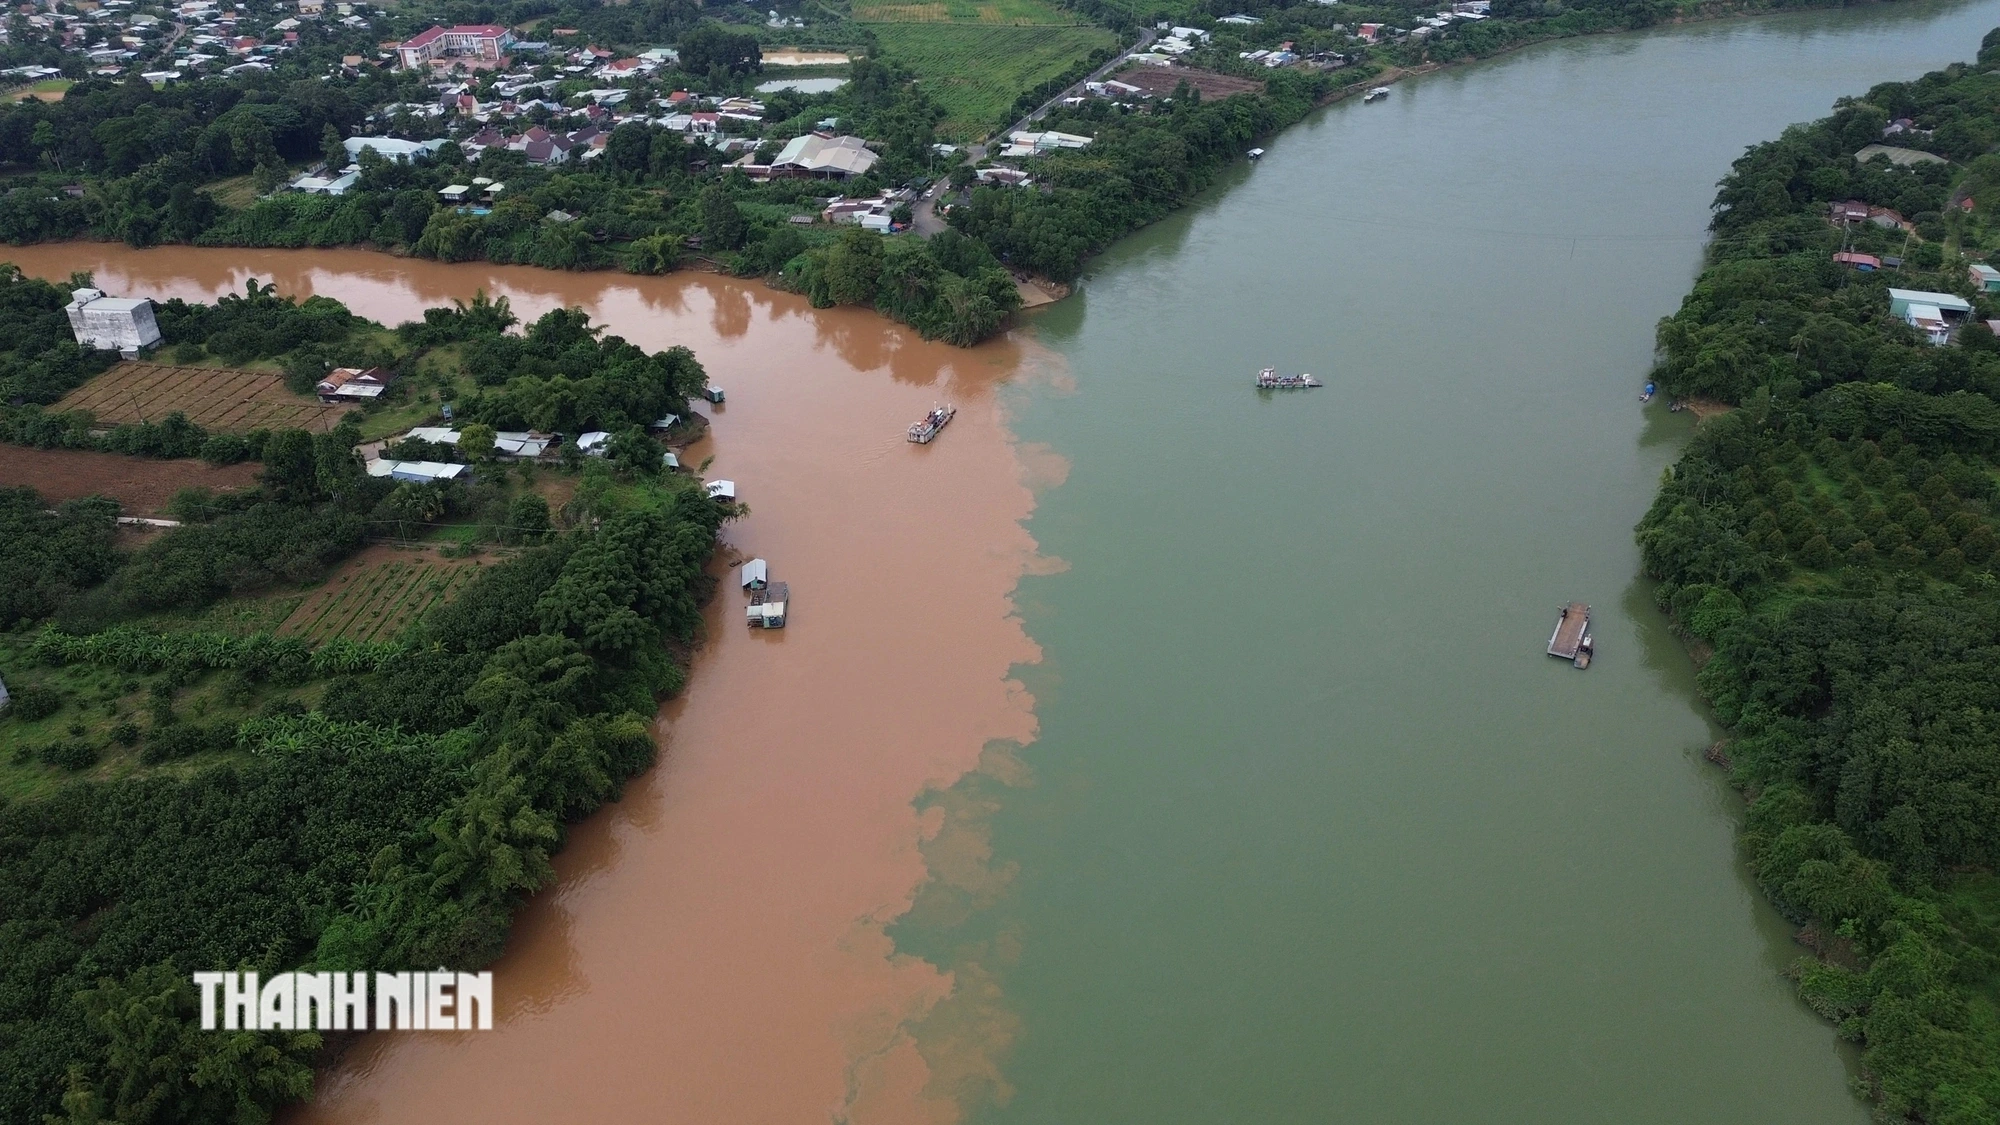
x,y
926,221
1146,37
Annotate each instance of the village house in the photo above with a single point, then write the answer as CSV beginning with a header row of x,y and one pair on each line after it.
x,y
511,444
1933,314
820,156
120,324
1020,144
326,185
1986,278
389,148
1867,263
353,384
417,472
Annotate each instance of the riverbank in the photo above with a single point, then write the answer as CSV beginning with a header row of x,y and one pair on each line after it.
x,y
721,928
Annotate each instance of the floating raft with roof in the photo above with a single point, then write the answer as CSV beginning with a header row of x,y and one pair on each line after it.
x,y
1571,640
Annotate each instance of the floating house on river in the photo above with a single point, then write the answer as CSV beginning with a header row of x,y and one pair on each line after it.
x,y
768,605
756,574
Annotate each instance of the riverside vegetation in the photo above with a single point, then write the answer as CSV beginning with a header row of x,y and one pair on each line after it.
x,y
179,794
200,163
1834,539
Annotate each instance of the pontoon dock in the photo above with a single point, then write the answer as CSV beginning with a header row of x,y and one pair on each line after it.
x,y
1571,640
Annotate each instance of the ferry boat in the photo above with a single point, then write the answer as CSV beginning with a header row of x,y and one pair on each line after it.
x,y
1269,380
1647,394
936,420
1376,95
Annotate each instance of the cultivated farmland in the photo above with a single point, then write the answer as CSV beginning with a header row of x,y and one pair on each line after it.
x,y
217,398
141,485
377,593
975,72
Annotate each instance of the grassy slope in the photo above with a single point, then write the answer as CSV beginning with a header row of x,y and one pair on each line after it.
x,y
976,71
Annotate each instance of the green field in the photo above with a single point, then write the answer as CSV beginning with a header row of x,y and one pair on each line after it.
x,y
1015,13
975,72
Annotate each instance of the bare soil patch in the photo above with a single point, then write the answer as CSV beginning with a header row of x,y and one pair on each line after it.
x,y
217,398
1160,81
790,57
142,485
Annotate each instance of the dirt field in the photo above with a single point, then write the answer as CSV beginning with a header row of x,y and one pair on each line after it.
x,y
1160,81
216,398
378,592
143,485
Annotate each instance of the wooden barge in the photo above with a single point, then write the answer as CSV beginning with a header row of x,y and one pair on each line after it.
x,y
1571,640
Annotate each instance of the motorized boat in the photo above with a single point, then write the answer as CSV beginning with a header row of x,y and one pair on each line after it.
x,y
1269,380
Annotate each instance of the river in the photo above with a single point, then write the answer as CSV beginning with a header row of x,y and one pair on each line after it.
x,y
1248,794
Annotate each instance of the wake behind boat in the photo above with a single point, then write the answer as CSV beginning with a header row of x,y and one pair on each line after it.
x,y
1269,380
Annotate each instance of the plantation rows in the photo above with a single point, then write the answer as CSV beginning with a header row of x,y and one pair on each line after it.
x,y
377,603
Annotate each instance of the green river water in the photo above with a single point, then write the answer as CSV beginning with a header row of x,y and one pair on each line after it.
x,y
1314,831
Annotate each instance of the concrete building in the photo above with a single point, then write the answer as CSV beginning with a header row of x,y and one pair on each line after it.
x,y
120,324
1986,278
466,43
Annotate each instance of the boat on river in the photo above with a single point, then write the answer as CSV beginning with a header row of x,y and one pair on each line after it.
x,y
1269,380
1647,394
1376,94
937,419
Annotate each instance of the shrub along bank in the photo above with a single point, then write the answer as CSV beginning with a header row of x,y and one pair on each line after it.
x,y
1835,539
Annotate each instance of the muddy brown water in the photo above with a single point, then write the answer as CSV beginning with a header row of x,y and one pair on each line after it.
x,y
713,948
1309,828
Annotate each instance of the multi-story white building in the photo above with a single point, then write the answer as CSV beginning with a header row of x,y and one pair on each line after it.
x,y
471,43
121,324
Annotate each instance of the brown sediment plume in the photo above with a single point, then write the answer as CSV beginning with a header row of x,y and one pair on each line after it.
x,y
715,949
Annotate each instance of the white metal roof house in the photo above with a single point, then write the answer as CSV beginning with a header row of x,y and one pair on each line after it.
x,y
756,574
767,606
121,324
353,384
1900,301
1932,314
390,148
520,443
592,444
830,157
325,185
722,489
419,472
